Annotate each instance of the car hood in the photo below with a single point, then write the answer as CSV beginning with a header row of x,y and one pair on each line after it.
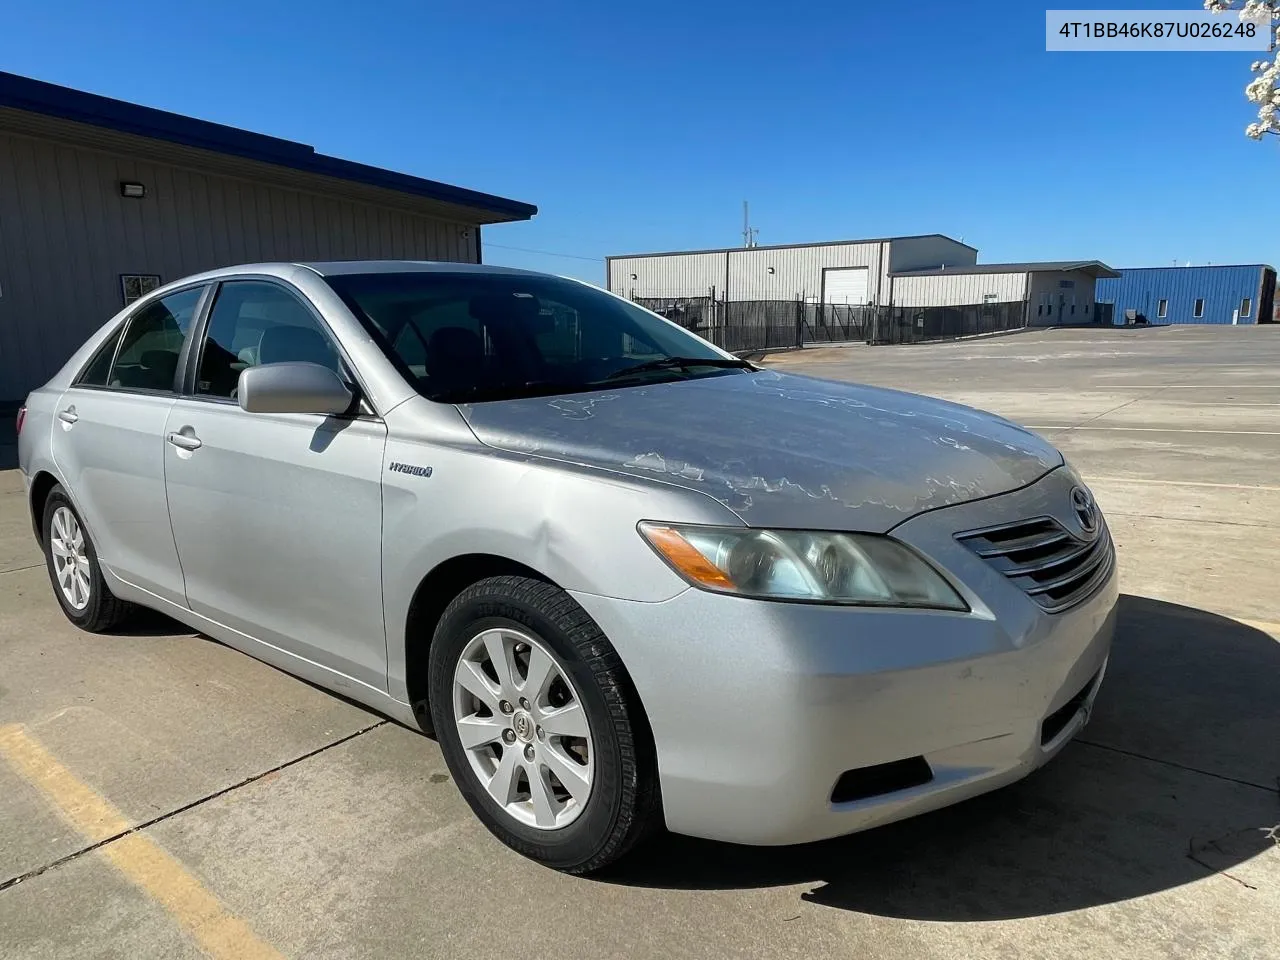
x,y
780,450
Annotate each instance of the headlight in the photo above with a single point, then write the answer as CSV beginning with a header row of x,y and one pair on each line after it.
x,y
852,568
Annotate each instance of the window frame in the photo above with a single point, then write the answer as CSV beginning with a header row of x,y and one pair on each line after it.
x,y
1197,309
189,370
1246,307
1162,308
122,327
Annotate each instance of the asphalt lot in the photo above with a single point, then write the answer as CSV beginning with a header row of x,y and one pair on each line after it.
x,y
164,796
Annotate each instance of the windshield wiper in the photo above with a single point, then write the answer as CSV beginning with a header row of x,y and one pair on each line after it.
x,y
511,391
680,363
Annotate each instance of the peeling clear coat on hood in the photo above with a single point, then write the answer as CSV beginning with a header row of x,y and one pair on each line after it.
x,y
781,450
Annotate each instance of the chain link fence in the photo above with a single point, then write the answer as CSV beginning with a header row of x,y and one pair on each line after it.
x,y
745,326
920,324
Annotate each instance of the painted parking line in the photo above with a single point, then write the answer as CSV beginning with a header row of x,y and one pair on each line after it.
x,y
219,933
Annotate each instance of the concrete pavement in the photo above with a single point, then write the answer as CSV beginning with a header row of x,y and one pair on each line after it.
x,y
324,831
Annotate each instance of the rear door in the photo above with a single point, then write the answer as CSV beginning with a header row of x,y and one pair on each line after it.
x,y
278,517
108,442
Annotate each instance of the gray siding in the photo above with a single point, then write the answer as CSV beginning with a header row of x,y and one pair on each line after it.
x,y
797,270
678,275
744,273
959,289
66,236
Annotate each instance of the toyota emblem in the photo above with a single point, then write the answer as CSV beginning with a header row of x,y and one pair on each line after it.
x,y
1085,509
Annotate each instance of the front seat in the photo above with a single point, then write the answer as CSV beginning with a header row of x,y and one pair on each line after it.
x,y
295,345
455,359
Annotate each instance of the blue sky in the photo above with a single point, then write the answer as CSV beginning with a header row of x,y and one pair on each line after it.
x,y
639,127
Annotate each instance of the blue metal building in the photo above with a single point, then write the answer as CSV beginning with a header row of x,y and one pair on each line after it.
x,y
1209,294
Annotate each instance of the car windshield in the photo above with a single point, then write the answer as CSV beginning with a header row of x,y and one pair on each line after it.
x,y
470,337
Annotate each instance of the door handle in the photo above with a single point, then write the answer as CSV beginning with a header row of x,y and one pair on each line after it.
x,y
68,415
184,442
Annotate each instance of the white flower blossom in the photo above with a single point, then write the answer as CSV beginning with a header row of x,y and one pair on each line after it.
x,y
1264,89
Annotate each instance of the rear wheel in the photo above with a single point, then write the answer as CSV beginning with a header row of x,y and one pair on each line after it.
x,y
74,570
539,725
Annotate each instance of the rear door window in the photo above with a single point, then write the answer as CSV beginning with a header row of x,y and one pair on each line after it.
x,y
152,342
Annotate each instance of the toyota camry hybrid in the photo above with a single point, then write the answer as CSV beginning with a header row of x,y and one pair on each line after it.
x,y
628,580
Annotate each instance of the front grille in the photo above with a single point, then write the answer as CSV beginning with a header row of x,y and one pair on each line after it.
x,y
1054,566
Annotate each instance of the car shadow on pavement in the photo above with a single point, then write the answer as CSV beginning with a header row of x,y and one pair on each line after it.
x,y
1175,778
144,622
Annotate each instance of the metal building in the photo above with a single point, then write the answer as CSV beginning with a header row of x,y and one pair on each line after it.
x,y
1208,294
1055,292
920,271
845,272
102,201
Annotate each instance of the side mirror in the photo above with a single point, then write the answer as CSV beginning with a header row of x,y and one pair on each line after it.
x,y
293,388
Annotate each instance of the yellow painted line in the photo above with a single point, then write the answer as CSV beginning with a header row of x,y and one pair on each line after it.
x,y
220,934
1185,483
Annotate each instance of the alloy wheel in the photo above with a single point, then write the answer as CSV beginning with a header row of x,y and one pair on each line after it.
x,y
70,559
523,728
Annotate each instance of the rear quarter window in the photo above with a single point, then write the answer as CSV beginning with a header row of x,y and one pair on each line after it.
x,y
99,368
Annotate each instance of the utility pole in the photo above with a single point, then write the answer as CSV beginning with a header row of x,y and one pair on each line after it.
x,y
748,233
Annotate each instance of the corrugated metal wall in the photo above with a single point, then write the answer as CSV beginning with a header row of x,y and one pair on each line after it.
x,y
66,236
797,271
1223,290
743,273
958,289
677,275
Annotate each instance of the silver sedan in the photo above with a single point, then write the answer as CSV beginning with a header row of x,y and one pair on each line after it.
x,y
628,580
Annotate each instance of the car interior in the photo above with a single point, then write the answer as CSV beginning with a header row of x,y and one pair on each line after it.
x,y
251,325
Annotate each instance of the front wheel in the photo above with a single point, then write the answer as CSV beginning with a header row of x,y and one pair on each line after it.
x,y
539,725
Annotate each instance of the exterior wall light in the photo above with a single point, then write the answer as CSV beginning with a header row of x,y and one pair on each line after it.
x,y
135,191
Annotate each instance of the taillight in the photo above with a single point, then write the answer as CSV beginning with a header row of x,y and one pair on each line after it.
x,y
22,415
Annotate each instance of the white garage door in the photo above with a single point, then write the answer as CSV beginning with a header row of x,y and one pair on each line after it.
x,y
844,285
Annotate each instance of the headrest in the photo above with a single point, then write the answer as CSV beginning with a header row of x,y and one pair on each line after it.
x,y
297,344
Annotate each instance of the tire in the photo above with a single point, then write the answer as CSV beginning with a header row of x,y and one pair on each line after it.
x,y
622,804
92,606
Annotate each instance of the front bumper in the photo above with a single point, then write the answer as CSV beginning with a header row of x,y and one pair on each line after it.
x,y
758,708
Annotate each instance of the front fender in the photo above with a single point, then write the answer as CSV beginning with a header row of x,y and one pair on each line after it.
x,y
573,525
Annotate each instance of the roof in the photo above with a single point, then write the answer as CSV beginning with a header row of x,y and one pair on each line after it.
x,y
337,268
1203,266
1095,268
51,100
791,246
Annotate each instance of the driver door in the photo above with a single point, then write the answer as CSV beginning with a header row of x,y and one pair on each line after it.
x,y
278,517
